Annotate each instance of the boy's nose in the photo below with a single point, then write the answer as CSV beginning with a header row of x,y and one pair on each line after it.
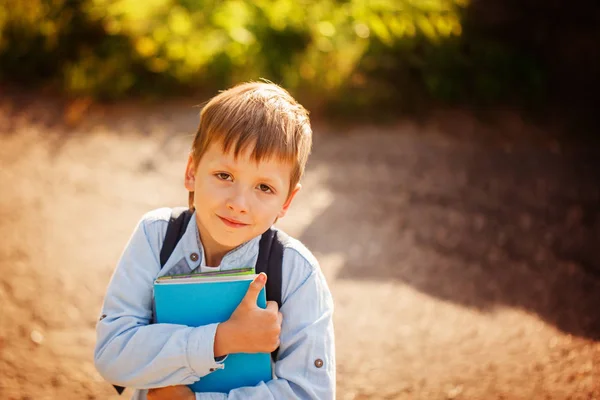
x,y
238,204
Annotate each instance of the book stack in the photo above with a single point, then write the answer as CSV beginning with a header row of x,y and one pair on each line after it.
x,y
207,298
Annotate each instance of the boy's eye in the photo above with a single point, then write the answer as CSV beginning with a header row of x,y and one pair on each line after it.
x,y
265,188
223,176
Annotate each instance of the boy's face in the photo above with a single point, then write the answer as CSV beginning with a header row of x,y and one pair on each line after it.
x,y
237,199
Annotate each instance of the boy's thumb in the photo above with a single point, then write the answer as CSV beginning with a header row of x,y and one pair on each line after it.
x,y
255,287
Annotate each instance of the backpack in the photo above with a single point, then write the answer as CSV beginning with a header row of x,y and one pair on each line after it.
x,y
270,256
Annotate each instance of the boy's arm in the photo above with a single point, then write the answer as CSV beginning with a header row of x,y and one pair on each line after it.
x,y
306,365
130,352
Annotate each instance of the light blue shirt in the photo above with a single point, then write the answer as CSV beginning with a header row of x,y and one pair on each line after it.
x,y
132,352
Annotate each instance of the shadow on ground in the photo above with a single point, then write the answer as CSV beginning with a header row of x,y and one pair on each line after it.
x,y
479,225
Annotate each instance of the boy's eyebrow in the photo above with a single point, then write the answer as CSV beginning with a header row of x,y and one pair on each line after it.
x,y
225,165
268,180
222,163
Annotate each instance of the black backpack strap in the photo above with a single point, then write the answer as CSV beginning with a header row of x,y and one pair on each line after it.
x,y
178,222
119,389
180,218
270,261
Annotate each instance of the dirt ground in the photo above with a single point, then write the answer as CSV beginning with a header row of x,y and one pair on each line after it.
x,y
462,256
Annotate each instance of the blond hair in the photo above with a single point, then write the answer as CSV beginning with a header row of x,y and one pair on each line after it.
x,y
257,115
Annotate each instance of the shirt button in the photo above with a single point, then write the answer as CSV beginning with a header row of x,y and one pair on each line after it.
x,y
194,257
318,363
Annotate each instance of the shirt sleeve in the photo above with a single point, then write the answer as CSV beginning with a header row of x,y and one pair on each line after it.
x,y
306,365
129,350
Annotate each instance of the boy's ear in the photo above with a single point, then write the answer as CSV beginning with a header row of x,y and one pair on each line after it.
x,y
288,202
190,174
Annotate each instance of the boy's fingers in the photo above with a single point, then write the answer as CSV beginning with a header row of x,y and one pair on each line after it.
x,y
169,392
272,306
254,289
279,318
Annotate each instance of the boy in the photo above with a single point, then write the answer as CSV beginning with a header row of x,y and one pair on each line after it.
x,y
242,174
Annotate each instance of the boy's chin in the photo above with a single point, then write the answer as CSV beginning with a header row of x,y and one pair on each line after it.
x,y
232,241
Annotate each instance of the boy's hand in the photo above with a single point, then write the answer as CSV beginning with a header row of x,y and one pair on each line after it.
x,y
250,329
179,392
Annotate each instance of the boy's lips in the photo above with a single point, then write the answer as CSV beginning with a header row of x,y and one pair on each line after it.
x,y
232,222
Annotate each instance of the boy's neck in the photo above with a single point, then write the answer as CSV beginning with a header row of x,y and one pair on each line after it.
x,y
213,251
213,260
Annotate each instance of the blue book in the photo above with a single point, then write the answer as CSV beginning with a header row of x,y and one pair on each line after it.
x,y
198,301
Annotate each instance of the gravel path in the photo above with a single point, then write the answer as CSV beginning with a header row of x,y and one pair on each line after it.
x,y
462,258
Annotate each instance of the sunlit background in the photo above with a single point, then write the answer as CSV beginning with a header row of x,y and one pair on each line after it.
x,y
343,53
452,197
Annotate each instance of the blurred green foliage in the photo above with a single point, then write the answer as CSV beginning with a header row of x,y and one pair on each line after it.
x,y
346,53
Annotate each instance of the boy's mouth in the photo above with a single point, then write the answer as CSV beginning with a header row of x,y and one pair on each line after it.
x,y
231,222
